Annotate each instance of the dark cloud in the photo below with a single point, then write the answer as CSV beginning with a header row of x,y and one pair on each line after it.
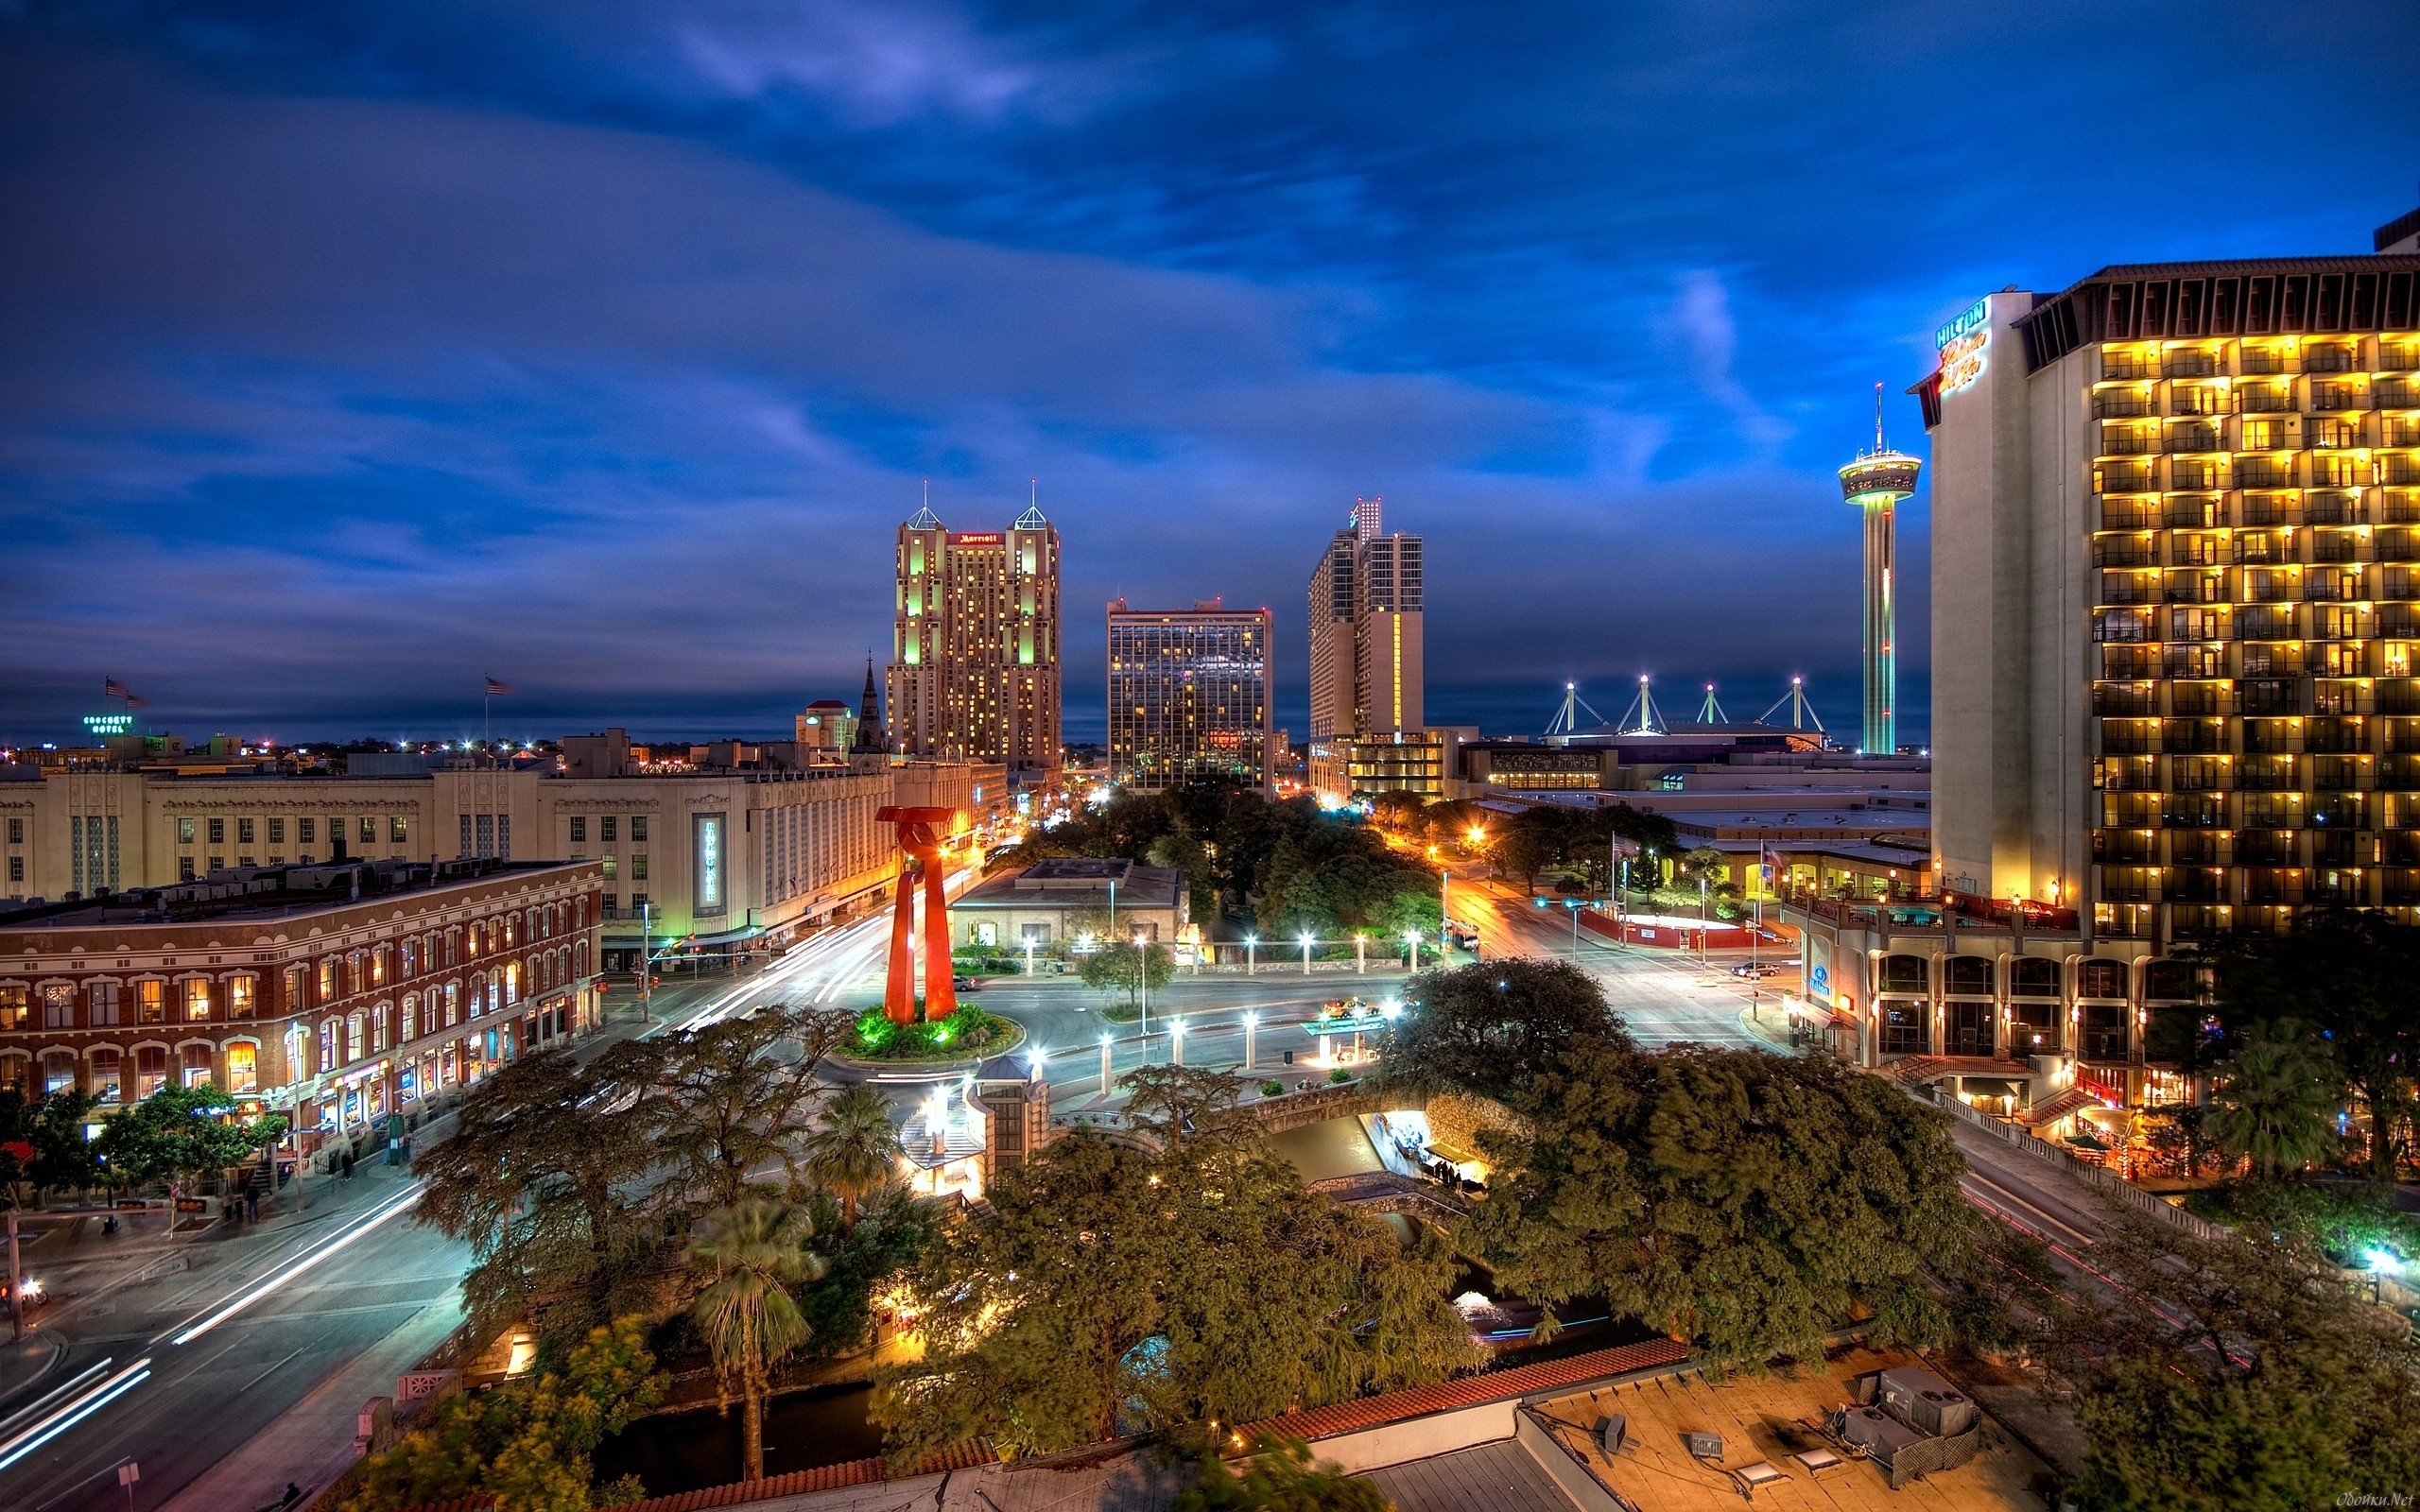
x,y
355,351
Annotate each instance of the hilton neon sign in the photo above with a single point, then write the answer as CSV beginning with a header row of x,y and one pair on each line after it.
x,y
1962,344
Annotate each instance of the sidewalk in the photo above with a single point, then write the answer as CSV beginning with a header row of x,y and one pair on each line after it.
x,y
313,1442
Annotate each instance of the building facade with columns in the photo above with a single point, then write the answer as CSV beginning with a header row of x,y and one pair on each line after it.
x,y
748,853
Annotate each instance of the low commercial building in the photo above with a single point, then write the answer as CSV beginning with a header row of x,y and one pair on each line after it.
x,y
1051,903
333,994
734,846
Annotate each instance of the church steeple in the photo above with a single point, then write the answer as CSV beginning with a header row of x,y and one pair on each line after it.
x,y
870,717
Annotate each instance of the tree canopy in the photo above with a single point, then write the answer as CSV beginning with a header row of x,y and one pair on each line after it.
x,y
571,1181
2353,978
1741,1201
1577,842
1124,967
528,1443
178,1133
1277,866
1279,1478
2275,1098
1117,1287
2231,1372
1494,1026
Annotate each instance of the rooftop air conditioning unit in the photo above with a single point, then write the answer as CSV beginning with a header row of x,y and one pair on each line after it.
x,y
1877,1433
1926,1401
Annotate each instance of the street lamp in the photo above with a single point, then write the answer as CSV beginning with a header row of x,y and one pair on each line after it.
x,y
1104,1065
1252,942
1142,988
1411,938
1306,956
1176,1040
1252,1026
1360,953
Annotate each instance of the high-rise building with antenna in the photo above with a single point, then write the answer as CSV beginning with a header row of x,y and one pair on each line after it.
x,y
1878,483
974,673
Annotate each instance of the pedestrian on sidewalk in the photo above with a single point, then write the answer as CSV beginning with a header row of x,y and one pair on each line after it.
x,y
252,1207
347,1164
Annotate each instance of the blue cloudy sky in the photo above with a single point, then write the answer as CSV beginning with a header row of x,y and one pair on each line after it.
x,y
352,350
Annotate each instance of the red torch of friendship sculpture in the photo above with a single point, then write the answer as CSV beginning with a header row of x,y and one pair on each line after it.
x,y
920,833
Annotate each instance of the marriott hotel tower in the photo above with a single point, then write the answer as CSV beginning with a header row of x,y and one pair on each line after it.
x,y
2176,592
974,673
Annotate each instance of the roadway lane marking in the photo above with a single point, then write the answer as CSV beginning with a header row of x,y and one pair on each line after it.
x,y
272,1371
401,1205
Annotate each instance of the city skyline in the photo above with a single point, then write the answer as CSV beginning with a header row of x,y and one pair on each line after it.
x,y
353,363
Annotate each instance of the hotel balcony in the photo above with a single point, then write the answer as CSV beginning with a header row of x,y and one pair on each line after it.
x,y
2191,362
2273,886
2195,884
2126,848
2126,366
2125,551
2327,358
2195,438
2260,399
2189,700
2125,702
2122,404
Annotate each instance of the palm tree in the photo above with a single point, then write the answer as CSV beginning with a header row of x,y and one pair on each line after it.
x,y
756,1251
2276,1100
855,1149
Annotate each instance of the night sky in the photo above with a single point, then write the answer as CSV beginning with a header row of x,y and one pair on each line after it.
x,y
351,351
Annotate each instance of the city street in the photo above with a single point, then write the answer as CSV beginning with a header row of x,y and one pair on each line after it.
x,y
175,1353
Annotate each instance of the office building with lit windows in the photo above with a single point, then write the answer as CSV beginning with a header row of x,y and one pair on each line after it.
x,y
974,673
1189,695
1367,654
2177,569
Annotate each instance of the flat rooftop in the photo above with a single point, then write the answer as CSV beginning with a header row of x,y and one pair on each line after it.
x,y
1769,1419
267,892
1078,882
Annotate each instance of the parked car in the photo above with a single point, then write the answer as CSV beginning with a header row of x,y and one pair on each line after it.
x,y
1757,969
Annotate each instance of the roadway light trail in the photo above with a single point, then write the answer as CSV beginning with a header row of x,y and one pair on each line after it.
x,y
300,1264
75,1412
61,1389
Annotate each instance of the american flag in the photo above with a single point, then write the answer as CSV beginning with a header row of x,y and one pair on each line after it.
x,y
497,690
112,687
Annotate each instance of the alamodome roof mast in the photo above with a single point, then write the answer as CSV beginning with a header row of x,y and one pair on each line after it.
x,y
1878,483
